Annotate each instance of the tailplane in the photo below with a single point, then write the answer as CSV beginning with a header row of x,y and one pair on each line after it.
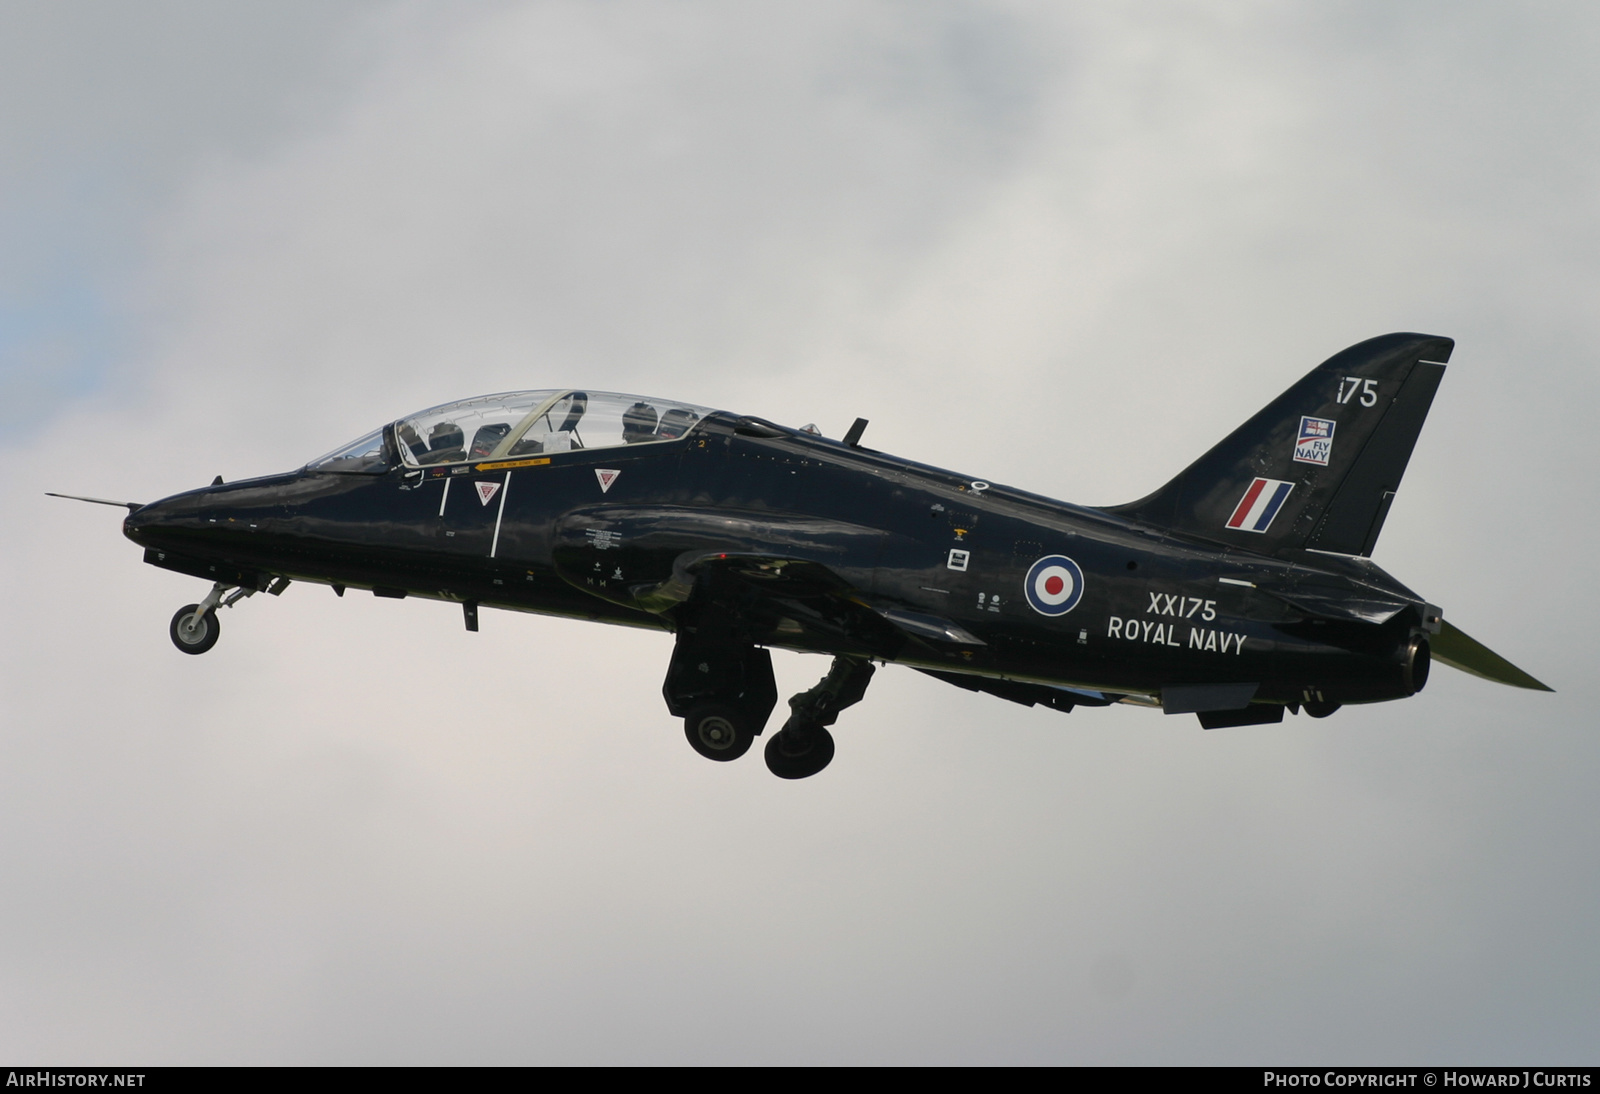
x,y
1317,467
1454,647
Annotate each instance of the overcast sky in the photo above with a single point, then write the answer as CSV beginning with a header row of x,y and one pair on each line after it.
x,y
1061,246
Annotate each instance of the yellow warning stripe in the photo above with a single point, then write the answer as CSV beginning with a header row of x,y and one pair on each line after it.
x,y
504,465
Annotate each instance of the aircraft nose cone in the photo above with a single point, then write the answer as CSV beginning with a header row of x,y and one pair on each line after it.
x,y
144,524
210,518
181,519
135,520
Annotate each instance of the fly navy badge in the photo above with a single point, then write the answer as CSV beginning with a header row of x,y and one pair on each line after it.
x,y
1054,585
1315,444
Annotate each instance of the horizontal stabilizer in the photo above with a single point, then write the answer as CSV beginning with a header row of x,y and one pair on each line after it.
x,y
1454,647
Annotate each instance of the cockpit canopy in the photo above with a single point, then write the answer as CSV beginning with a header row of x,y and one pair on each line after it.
x,y
519,423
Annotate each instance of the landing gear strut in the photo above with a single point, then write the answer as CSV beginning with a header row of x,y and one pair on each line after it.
x,y
195,628
804,746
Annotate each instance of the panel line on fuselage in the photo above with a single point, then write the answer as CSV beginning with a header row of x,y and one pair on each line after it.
x,y
494,544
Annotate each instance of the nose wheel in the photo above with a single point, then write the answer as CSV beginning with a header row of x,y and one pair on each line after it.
x,y
193,630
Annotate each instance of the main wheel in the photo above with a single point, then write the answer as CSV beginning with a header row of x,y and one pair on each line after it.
x,y
192,632
1319,710
718,732
799,756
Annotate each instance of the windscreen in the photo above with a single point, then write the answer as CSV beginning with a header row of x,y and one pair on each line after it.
x,y
364,456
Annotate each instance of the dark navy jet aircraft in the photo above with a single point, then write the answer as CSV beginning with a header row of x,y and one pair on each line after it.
x,y
1238,591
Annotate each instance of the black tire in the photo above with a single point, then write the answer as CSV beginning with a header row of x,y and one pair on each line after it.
x,y
718,732
799,756
1320,710
193,636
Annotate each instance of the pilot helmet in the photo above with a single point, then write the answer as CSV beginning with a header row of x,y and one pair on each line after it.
x,y
639,423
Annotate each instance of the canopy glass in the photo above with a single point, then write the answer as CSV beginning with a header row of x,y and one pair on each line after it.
x,y
520,423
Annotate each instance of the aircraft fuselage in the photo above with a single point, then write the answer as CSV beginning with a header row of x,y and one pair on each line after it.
x,y
596,534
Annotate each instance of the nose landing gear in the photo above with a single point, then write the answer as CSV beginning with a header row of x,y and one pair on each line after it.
x,y
195,628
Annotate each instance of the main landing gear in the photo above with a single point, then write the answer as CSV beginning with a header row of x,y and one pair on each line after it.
x,y
720,731
195,628
724,691
804,746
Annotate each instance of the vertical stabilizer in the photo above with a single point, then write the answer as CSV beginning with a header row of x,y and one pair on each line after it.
x,y
1318,466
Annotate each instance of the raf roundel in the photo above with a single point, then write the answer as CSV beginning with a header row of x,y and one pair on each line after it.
x,y
1054,585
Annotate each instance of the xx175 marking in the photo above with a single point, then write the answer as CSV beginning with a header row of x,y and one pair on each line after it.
x,y
1181,606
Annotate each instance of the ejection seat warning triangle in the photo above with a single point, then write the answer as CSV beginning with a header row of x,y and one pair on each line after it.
x,y
606,477
486,491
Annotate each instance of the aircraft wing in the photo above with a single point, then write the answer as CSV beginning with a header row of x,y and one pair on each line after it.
x,y
811,595
784,574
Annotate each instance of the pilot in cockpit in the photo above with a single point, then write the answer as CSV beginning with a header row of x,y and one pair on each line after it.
x,y
639,423
487,438
446,442
675,423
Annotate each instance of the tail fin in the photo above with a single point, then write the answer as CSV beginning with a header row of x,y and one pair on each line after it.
x,y
1318,466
